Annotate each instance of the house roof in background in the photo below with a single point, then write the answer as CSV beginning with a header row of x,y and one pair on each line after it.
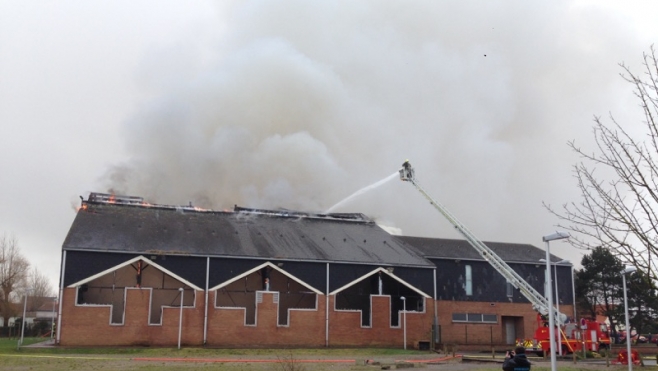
x,y
442,248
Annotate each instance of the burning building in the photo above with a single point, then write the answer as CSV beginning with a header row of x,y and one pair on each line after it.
x,y
140,273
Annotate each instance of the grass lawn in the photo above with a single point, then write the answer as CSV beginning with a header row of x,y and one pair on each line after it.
x,y
57,358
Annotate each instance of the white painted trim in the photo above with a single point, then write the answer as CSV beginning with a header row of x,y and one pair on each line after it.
x,y
315,308
61,298
125,296
278,304
267,264
358,311
408,312
128,262
111,306
326,308
162,307
380,269
244,322
205,311
390,310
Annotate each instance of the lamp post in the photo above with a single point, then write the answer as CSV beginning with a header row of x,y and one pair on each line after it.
x,y
20,342
404,316
557,296
628,270
551,311
180,318
52,322
573,292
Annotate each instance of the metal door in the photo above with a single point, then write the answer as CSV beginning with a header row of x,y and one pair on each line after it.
x,y
510,330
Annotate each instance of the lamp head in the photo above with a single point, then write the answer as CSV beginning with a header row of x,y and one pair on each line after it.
x,y
403,298
555,236
629,270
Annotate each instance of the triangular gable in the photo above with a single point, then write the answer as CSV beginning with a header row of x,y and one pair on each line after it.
x,y
267,264
385,271
128,262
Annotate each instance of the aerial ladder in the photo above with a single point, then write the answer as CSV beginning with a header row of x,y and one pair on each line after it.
x,y
538,301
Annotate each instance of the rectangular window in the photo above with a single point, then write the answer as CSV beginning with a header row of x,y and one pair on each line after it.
x,y
474,318
469,281
510,289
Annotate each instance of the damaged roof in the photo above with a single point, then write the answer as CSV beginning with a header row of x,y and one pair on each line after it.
x,y
441,248
133,226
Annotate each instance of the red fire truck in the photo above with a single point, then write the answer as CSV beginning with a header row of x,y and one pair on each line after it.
x,y
589,335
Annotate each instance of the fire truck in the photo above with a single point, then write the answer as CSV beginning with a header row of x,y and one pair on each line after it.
x,y
588,335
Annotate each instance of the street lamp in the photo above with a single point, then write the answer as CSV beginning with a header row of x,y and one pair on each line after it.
x,y
551,311
180,318
628,270
557,296
404,316
20,342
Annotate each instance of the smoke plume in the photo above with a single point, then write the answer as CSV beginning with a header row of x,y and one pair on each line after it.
x,y
304,103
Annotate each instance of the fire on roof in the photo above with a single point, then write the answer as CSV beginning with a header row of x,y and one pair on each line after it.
x,y
108,198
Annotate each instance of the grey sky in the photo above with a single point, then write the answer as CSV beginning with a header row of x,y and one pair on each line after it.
x,y
298,104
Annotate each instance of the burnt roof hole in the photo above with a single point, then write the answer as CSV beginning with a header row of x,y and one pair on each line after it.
x,y
364,241
344,239
324,238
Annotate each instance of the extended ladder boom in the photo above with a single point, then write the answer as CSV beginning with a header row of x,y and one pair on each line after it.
x,y
539,302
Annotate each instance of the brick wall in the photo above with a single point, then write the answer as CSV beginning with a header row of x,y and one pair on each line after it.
x,y
89,325
345,327
524,317
306,328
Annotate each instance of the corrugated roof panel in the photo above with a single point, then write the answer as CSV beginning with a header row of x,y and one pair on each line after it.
x,y
136,228
460,249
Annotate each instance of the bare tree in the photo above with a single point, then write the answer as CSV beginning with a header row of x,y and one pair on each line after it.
x,y
39,288
13,272
619,181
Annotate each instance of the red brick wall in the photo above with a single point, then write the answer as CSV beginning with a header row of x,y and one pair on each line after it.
x,y
87,325
306,328
485,333
345,327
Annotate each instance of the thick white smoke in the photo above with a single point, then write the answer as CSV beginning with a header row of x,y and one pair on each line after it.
x,y
307,102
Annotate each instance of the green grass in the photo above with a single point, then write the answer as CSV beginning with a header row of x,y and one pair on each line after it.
x,y
8,346
120,358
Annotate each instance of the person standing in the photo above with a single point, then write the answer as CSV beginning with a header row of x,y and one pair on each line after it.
x,y
516,360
